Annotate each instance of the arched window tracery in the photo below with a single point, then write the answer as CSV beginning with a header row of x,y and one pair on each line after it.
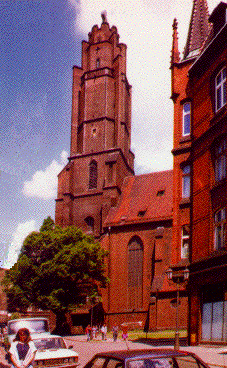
x,y
93,174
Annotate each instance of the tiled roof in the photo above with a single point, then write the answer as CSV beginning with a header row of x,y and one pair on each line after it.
x,y
144,198
199,28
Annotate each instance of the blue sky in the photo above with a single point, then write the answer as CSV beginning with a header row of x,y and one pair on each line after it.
x,y
40,42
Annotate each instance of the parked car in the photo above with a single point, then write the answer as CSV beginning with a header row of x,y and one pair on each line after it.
x,y
52,351
36,326
155,358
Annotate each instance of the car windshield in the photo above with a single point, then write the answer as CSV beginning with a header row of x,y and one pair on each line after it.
x,y
34,326
184,361
49,343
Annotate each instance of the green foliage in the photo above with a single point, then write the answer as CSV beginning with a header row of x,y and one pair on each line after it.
x,y
15,315
48,224
56,269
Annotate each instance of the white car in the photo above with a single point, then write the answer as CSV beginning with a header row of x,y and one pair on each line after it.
x,y
52,352
34,325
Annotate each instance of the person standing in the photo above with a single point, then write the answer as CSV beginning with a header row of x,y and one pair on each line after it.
x,y
22,350
88,332
104,331
115,333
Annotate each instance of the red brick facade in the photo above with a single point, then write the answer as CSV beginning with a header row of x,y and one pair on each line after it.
x,y
98,192
100,155
200,80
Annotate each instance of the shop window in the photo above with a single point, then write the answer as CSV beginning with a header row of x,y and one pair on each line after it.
x,y
93,174
219,229
135,273
185,234
220,161
186,118
186,181
220,89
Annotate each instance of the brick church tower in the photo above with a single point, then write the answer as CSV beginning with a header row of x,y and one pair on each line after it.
x,y
100,155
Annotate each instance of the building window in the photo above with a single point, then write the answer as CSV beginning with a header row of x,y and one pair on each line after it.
x,y
135,273
93,174
219,229
186,179
90,223
220,89
220,161
98,63
186,118
185,232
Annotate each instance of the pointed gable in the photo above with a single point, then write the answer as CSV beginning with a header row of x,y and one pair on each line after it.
x,y
198,29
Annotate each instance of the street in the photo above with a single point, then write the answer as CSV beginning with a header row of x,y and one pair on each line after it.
x,y
86,350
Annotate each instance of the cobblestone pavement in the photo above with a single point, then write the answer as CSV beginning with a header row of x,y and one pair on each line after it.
x,y
86,350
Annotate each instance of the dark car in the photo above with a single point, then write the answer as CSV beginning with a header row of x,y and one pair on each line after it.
x,y
155,358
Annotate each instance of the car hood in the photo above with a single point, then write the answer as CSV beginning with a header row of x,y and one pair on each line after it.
x,y
54,353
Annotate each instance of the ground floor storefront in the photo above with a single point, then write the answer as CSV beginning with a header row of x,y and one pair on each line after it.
x,y
208,301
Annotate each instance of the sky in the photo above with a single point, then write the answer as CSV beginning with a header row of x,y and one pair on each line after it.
x,y
40,41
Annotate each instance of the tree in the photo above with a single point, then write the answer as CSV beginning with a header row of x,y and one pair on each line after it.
x,y
56,270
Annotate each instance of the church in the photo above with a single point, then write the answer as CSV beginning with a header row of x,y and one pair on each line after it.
x,y
162,223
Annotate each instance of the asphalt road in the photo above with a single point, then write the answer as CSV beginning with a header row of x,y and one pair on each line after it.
x,y
211,355
86,350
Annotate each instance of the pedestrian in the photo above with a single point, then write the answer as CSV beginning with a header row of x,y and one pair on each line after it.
x,y
88,332
94,332
115,332
22,350
104,331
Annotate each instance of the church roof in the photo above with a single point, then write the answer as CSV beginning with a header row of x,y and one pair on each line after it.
x,y
144,198
199,28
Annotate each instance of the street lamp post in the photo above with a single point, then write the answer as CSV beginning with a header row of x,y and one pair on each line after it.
x,y
177,278
93,302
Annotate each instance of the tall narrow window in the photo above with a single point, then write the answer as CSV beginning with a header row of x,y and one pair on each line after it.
x,y
186,180
98,63
220,161
93,174
219,229
185,241
186,118
135,273
220,89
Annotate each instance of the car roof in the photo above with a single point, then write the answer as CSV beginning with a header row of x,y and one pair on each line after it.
x,y
28,319
127,354
45,336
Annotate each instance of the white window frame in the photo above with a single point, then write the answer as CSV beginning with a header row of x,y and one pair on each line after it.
x,y
186,181
185,241
220,89
186,114
219,228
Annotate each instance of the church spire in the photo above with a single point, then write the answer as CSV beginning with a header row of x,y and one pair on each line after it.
x,y
198,28
175,55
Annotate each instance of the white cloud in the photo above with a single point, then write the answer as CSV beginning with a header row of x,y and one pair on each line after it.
x,y
43,184
146,27
22,230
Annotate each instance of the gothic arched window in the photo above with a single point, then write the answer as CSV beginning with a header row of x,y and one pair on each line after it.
x,y
90,223
135,273
93,174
